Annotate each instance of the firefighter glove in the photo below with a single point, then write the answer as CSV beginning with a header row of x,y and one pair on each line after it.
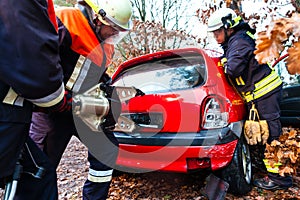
x,y
224,64
252,128
66,103
264,129
256,137
252,132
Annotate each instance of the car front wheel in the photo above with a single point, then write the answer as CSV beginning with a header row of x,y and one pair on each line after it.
x,y
238,173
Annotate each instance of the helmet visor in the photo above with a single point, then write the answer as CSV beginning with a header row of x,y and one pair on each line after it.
x,y
116,38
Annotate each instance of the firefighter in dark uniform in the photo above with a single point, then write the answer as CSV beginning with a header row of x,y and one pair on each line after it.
x,y
87,33
258,84
30,74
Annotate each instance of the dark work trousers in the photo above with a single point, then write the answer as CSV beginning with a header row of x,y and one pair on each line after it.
x,y
28,187
268,109
12,139
31,188
96,190
102,146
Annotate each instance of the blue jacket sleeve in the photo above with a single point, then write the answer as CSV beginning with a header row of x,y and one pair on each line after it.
x,y
29,58
238,56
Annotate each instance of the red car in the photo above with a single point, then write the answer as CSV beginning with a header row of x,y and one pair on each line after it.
x,y
189,119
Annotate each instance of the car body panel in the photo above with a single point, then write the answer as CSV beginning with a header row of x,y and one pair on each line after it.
x,y
177,111
173,158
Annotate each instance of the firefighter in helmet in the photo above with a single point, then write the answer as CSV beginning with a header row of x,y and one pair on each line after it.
x,y
87,34
257,83
30,76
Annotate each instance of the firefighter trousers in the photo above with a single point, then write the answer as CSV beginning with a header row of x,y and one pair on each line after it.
x,y
53,133
269,109
36,188
28,187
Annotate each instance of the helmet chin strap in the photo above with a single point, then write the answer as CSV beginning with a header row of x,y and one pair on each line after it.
x,y
87,12
97,30
226,35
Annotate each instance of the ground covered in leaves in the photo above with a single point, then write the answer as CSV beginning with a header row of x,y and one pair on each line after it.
x,y
154,185
73,170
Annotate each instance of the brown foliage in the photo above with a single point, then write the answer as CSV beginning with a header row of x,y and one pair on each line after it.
x,y
148,37
296,4
272,42
286,151
293,59
73,169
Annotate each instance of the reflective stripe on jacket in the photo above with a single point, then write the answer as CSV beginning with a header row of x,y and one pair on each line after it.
x,y
83,57
52,99
85,75
84,39
29,58
251,79
263,87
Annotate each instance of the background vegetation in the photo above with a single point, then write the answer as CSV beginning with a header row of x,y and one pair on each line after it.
x,y
170,24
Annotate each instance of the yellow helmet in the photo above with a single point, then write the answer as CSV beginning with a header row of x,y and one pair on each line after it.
x,y
224,17
116,13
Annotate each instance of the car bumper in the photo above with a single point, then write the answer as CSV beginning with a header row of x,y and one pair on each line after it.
x,y
212,150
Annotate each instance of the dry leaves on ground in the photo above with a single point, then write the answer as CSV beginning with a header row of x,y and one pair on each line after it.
x,y
73,170
153,185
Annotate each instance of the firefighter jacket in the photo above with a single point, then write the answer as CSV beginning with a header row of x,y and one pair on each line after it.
x,y
251,79
29,60
83,56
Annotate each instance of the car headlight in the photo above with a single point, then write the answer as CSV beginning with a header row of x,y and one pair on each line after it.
x,y
214,115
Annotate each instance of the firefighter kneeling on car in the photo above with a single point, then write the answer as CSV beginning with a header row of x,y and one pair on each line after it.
x,y
258,84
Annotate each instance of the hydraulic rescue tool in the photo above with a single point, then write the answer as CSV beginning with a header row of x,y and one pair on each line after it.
x,y
99,107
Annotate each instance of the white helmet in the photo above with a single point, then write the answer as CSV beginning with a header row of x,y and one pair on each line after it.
x,y
224,17
115,13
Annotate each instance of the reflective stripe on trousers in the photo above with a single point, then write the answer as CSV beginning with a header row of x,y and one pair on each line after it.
x,y
274,168
100,176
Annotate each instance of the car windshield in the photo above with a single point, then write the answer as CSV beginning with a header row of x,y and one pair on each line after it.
x,y
165,74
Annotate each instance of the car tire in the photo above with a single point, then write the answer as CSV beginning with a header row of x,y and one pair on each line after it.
x,y
238,173
117,173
